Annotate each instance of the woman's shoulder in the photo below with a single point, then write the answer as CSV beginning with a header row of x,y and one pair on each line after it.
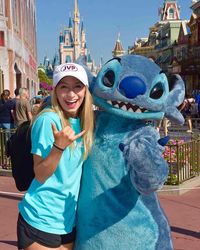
x,y
48,115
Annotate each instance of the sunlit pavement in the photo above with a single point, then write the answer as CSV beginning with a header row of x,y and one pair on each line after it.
x,y
183,212
9,199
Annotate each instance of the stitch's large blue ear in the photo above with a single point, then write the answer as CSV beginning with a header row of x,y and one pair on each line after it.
x,y
175,98
91,78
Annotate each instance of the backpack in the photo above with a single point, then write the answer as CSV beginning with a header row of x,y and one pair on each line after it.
x,y
19,151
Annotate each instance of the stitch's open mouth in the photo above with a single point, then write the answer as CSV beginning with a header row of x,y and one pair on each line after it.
x,y
127,106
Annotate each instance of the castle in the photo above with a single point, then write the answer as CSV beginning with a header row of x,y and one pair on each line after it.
x,y
72,44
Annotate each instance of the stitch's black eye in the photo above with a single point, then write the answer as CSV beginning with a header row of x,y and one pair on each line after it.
x,y
157,91
109,78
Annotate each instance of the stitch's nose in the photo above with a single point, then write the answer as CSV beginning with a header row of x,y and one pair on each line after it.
x,y
132,86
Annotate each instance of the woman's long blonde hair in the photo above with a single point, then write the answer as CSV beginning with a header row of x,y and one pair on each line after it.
x,y
86,116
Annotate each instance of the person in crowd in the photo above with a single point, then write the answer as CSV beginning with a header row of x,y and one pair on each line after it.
x,y
197,100
23,107
62,136
6,121
40,92
6,110
36,105
16,92
194,109
185,108
6,95
165,123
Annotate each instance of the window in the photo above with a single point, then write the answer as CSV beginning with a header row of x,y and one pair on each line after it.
x,y
15,13
2,42
68,59
179,55
1,7
184,53
171,13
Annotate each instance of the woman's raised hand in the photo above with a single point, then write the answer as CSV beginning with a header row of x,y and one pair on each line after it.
x,y
66,136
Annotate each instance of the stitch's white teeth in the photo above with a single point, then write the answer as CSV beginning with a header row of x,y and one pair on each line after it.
x,y
129,109
124,108
109,102
127,106
138,111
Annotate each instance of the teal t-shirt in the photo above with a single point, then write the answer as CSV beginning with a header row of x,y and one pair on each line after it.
x,y
51,206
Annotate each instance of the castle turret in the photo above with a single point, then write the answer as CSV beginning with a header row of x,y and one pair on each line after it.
x,y
61,38
55,60
170,11
83,40
118,49
70,23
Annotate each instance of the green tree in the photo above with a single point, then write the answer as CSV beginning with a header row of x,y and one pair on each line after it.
x,y
43,77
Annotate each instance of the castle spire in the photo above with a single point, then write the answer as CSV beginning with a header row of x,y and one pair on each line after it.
x,y
76,31
118,38
76,10
70,22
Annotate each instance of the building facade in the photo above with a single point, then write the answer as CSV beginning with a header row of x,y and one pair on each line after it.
x,y
162,36
174,44
18,52
190,64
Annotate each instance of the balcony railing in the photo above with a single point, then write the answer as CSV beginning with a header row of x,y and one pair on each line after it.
x,y
4,136
183,160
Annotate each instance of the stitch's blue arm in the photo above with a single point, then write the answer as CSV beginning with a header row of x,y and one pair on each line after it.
x,y
143,154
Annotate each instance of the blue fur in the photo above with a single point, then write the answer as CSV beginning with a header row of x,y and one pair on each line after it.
x,y
118,205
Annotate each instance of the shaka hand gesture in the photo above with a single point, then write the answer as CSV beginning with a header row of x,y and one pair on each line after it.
x,y
65,137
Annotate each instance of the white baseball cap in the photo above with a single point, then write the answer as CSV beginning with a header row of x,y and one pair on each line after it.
x,y
70,69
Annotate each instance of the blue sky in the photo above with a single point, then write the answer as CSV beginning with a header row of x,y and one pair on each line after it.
x,y
103,20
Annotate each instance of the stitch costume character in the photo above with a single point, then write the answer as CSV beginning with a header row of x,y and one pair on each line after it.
x,y
118,207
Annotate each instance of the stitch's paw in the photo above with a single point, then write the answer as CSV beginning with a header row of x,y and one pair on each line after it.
x,y
163,141
142,150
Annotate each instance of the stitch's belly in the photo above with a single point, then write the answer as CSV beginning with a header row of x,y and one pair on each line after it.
x,y
111,213
124,234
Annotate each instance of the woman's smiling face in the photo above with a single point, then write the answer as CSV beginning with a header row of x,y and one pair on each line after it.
x,y
70,93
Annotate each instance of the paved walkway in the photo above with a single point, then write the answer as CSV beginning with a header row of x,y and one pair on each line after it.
x,y
8,213
183,212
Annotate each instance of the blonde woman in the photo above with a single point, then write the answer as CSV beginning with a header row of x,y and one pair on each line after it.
x,y
61,139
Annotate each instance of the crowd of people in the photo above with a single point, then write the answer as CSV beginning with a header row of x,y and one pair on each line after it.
x,y
15,111
190,108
